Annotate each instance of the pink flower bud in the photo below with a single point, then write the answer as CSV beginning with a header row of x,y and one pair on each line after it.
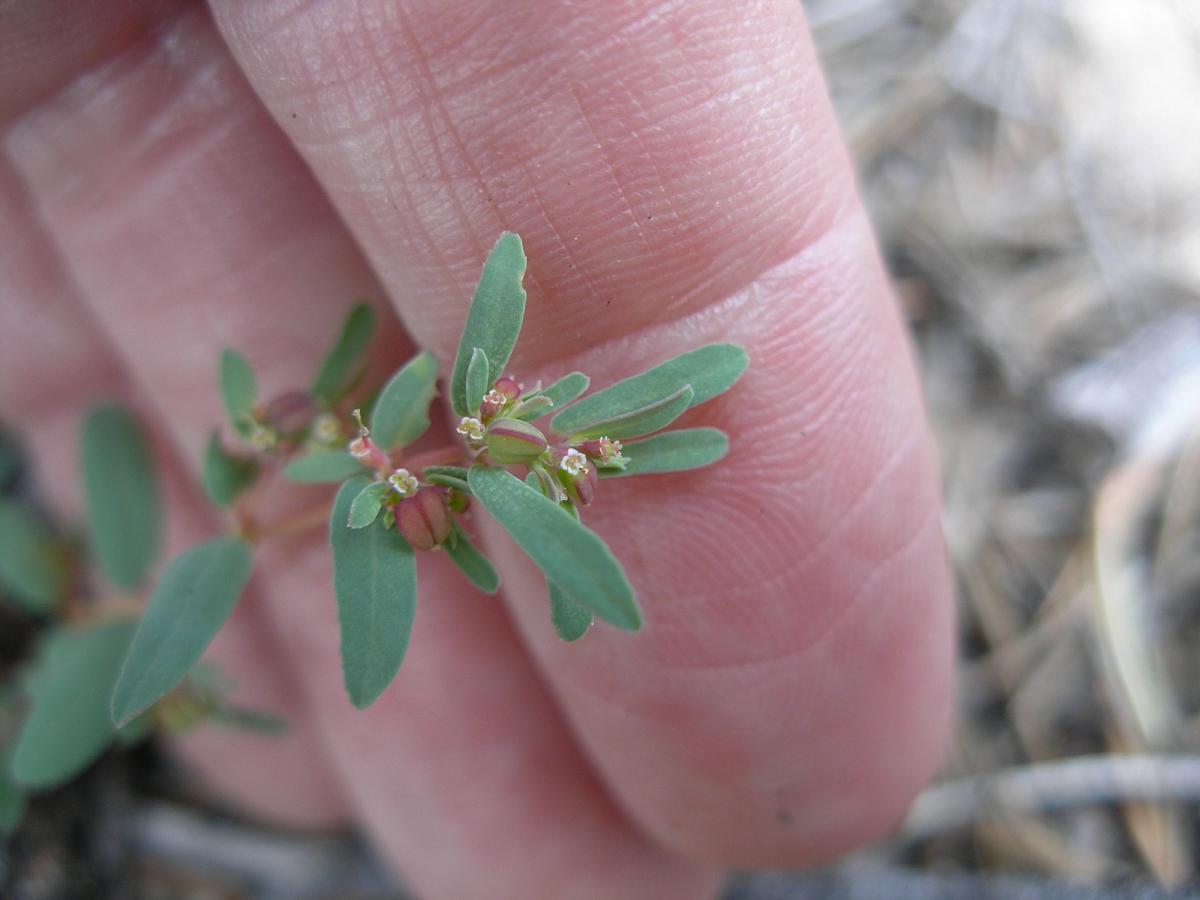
x,y
507,387
493,402
424,519
603,450
289,414
368,453
513,442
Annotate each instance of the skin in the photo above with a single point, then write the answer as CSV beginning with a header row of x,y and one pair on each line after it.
x,y
176,179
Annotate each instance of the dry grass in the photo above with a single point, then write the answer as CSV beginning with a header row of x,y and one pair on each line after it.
x,y
1032,166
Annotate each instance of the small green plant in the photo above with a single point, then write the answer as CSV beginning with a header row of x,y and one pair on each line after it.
x,y
394,502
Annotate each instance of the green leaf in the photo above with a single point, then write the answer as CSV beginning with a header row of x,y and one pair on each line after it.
x,y
122,495
649,418
226,475
447,476
571,620
709,370
477,380
255,721
12,797
478,569
12,456
322,467
570,554
366,505
239,390
401,414
671,451
375,580
494,319
345,365
196,594
70,686
34,565
563,391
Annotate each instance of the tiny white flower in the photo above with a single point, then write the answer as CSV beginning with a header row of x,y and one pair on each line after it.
x,y
326,429
470,428
494,397
403,482
261,438
573,463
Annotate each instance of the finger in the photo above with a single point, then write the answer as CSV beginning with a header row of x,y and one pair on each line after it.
x,y
52,367
676,173
185,191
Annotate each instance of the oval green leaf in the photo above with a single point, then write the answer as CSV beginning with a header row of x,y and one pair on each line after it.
x,y
447,476
642,421
239,390
495,317
322,467
568,552
196,594
225,475
346,362
477,380
364,509
121,493
477,567
571,620
709,370
401,414
35,567
564,391
375,580
671,451
70,686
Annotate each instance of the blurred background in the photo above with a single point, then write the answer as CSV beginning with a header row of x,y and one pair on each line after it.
x,y
1033,169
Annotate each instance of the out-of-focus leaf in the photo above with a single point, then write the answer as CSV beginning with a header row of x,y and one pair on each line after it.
x,y
494,319
571,620
477,380
366,505
121,489
345,364
478,569
635,423
322,467
671,451
239,390
570,554
34,565
196,594
256,721
401,414
12,456
708,370
69,725
375,580
226,475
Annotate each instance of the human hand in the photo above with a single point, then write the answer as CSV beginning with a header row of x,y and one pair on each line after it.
x,y
170,187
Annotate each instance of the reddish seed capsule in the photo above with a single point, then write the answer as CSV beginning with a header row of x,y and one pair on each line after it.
x,y
424,519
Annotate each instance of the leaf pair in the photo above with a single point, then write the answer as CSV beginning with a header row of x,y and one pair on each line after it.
x,y
652,400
